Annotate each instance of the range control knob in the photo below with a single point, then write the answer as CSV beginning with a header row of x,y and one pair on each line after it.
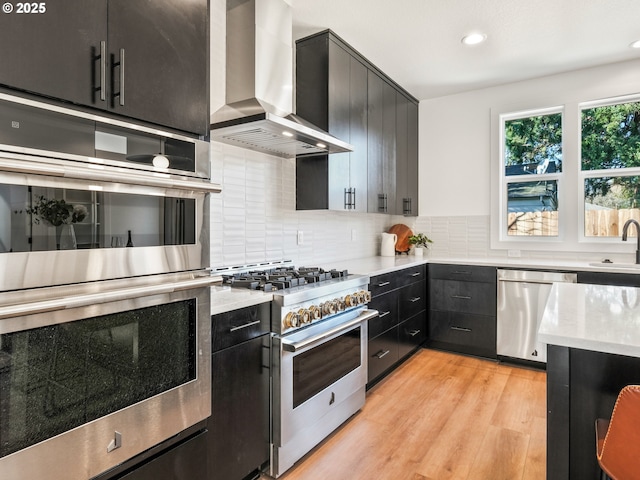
x,y
315,312
367,296
291,320
328,308
340,305
304,315
350,300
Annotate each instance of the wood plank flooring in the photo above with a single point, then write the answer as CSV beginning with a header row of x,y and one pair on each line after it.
x,y
440,416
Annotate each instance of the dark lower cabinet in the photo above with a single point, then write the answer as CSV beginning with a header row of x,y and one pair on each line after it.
x,y
185,461
462,309
401,326
383,353
238,442
581,386
182,457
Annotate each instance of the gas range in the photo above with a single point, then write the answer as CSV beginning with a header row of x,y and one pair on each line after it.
x,y
304,296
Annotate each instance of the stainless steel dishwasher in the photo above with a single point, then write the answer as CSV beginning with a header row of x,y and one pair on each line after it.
x,y
522,296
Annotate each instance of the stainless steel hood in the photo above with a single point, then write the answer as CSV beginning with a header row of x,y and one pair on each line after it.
x,y
259,86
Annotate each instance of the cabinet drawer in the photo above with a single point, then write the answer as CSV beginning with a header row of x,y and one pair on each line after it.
x,y
411,334
237,326
413,299
469,297
383,353
475,331
463,273
386,282
387,306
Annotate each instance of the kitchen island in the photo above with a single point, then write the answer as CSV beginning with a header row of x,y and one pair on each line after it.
x,y
593,338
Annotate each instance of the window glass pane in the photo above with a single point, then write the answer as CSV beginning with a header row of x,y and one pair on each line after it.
x,y
609,203
533,145
611,136
532,208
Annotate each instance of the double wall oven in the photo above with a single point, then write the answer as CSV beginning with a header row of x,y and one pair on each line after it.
x,y
104,297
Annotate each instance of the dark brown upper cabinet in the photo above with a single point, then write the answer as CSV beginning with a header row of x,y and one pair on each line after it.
x,y
342,92
142,59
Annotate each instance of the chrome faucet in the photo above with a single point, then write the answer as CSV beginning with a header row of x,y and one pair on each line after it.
x,y
624,235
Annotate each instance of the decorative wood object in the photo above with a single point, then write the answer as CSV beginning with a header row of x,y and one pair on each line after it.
x,y
403,232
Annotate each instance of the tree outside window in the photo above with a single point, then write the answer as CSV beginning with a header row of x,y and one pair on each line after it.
x,y
610,167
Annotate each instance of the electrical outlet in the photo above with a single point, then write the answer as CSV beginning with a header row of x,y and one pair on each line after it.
x,y
300,237
354,235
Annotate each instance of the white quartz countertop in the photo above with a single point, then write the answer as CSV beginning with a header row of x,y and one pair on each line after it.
x,y
226,299
593,317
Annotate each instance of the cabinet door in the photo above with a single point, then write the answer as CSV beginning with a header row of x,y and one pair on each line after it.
x,y
411,334
239,422
402,172
183,462
165,67
339,123
358,134
383,353
55,53
387,307
381,135
412,159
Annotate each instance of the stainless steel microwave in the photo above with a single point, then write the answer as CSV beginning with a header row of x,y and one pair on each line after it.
x,y
87,198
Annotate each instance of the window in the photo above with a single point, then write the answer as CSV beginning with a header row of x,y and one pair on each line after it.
x,y
610,167
532,168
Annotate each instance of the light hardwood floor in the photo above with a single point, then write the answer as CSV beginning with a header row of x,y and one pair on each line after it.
x,y
440,416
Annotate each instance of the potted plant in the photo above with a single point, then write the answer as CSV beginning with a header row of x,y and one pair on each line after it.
x,y
420,242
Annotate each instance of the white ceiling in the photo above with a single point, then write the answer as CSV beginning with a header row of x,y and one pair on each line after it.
x,y
417,42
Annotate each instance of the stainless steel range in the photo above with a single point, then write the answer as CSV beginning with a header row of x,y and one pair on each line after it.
x,y
319,354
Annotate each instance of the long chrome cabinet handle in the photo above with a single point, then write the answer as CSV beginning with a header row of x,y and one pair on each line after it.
x,y
122,77
382,354
461,329
414,299
246,325
383,314
417,274
68,302
413,333
461,297
383,284
103,70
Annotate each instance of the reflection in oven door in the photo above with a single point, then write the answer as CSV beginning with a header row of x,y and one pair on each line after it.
x,y
320,375
111,371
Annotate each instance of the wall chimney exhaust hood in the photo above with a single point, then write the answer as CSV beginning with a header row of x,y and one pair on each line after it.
x,y
259,86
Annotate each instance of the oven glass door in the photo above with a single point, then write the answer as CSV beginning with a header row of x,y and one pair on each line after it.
x,y
58,377
322,366
103,370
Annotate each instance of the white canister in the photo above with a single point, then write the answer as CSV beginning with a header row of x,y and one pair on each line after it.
x,y
388,244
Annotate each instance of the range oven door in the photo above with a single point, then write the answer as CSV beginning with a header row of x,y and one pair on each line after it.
x,y
320,374
94,374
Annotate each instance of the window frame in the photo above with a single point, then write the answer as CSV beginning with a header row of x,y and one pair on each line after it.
x,y
610,172
504,179
571,201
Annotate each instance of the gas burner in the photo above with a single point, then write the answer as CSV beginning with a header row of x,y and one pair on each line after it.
x,y
281,278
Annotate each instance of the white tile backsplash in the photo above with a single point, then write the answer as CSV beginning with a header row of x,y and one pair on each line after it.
x,y
254,220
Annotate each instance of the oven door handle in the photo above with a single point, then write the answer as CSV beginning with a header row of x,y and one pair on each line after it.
x,y
343,327
67,302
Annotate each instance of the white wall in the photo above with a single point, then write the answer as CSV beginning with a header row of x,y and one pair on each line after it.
x,y
455,132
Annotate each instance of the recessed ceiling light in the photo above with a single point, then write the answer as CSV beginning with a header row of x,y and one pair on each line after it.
x,y
635,44
474,38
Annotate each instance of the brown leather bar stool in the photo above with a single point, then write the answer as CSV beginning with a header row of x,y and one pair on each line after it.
x,y
618,439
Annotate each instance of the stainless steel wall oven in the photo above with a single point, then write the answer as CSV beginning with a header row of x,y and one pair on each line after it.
x,y
104,298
